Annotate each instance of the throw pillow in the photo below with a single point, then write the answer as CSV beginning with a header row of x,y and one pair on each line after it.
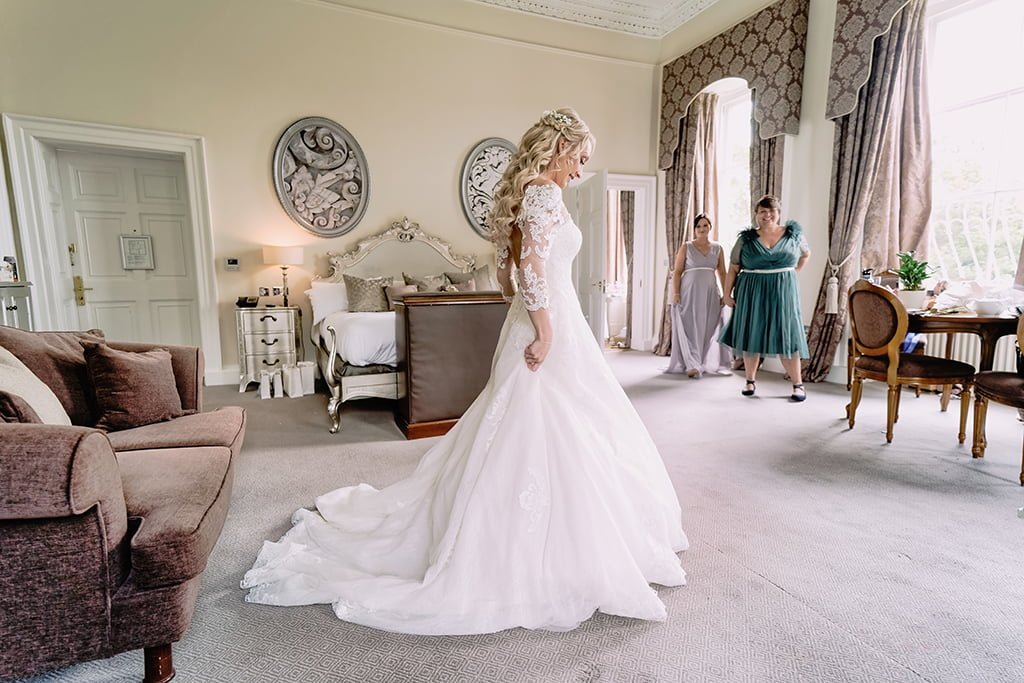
x,y
366,294
15,409
18,380
396,292
326,298
482,279
132,388
425,283
468,286
58,360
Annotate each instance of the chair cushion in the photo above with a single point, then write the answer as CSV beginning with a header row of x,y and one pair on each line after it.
x,y
221,427
14,408
1001,387
58,359
181,496
131,388
917,365
17,380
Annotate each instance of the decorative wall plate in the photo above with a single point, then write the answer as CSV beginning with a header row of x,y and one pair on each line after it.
x,y
480,173
321,177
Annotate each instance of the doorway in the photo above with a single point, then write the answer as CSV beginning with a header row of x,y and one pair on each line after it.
x,y
128,239
32,144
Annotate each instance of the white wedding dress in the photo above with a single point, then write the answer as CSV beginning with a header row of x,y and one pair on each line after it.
x,y
547,501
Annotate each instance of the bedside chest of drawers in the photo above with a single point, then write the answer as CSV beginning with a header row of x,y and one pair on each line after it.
x,y
268,338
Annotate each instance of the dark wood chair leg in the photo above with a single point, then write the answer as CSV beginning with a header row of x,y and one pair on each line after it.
x,y
159,667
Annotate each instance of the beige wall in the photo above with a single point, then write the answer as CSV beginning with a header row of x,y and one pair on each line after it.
x,y
416,95
238,72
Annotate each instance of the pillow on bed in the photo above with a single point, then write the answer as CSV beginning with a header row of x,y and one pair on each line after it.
x,y
468,286
481,278
426,283
396,292
326,298
366,295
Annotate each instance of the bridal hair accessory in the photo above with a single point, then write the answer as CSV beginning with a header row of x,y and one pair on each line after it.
x,y
557,120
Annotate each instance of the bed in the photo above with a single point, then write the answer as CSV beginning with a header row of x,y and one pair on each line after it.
x,y
356,352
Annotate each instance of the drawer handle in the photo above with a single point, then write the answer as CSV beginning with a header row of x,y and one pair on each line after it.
x,y
276,361
12,307
269,343
268,316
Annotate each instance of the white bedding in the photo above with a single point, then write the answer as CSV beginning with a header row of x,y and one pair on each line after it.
x,y
363,338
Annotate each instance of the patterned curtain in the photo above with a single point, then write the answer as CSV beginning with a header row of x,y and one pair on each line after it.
x,y
881,176
765,159
627,215
691,187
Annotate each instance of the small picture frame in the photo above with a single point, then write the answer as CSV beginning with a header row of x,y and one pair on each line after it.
x,y
137,252
8,269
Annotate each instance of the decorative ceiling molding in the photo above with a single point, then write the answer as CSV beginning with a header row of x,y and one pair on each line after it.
x,y
766,50
647,18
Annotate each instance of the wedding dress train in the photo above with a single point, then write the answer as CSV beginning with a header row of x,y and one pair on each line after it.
x,y
547,501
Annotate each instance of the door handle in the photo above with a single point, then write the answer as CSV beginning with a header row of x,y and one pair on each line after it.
x,y
80,290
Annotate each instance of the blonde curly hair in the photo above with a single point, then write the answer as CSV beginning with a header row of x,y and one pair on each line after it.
x,y
537,151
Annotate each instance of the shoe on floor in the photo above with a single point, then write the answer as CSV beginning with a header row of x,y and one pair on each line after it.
x,y
749,387
798,395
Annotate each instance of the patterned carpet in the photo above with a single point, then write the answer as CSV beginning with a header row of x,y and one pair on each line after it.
x,y
818,553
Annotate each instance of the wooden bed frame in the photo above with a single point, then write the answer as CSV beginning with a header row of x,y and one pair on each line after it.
x,y
403,247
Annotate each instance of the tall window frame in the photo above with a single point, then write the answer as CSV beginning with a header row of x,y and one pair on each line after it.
x,y
977,106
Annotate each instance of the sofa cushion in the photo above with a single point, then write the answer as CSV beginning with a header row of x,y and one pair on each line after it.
x,y
18,380
181,497
131,388
14,408
221,427
58,359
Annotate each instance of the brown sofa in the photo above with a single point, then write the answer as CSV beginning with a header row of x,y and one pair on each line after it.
x,y
104,535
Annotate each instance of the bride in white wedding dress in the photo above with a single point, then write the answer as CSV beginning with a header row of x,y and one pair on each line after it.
x,y
547,501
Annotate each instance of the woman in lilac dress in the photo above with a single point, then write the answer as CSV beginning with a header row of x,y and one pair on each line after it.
x,y
696,312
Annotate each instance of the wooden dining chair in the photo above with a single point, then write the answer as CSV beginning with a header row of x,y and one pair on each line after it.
x,y
878,325
1002,387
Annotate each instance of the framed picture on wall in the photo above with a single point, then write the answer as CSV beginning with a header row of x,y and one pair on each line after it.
x,y
137,252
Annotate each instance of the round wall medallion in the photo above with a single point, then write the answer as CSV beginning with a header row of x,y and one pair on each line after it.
x,y
480,173
321,177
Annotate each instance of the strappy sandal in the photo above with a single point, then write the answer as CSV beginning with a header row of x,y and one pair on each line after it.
x,y
798,397
752,387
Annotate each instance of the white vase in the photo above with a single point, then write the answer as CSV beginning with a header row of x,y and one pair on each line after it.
x,y
913,299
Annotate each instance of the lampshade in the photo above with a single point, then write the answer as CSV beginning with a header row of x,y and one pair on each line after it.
x,y
282,256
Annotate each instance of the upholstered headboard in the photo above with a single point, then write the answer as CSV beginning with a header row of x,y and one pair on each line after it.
x,y
402,248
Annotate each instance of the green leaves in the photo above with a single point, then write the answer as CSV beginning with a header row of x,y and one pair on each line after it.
x,y
912,272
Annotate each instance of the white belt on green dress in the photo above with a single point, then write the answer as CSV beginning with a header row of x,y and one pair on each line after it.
x,y
766,270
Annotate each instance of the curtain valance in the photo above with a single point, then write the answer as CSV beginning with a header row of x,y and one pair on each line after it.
x,y
767,50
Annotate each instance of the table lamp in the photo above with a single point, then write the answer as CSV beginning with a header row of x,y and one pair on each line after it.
x,y
284,257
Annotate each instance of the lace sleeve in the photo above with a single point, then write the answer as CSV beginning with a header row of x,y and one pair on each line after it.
x,y
537,220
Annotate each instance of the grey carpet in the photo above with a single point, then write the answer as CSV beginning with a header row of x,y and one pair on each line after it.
x,y
818,553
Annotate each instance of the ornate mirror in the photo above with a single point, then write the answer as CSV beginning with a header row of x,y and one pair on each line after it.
x,y
321,177
480,173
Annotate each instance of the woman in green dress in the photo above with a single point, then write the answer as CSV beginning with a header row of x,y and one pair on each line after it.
x,y
761,284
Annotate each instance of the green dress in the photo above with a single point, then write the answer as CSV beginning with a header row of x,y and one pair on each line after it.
x,y
767,318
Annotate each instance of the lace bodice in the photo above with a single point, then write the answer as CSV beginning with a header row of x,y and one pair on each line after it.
x,y
545,257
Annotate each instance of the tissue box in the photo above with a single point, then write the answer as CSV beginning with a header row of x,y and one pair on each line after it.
x,y
306,370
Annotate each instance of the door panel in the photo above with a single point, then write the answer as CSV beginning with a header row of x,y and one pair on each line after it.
x,y
588,204
110,195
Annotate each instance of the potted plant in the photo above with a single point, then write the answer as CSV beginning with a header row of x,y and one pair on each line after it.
x,y
912,273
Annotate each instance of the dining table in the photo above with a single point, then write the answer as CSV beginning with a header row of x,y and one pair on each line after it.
x,y
988,328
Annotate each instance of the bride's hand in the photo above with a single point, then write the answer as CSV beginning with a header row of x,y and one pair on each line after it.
x,y
535,353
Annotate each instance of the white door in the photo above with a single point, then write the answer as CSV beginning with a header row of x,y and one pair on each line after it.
x,y
107,197
588,204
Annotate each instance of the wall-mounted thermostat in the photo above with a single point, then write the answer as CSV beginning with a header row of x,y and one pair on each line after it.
x,y
231,263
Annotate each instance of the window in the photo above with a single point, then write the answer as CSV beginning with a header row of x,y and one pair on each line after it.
x,y
733,151
976,91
